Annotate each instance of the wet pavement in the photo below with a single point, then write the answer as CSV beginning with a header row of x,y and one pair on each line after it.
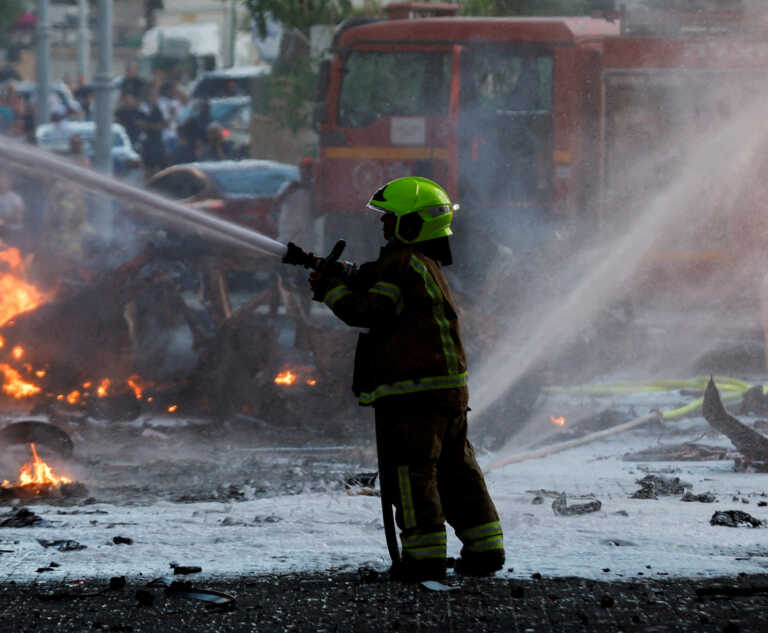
x,y
366,602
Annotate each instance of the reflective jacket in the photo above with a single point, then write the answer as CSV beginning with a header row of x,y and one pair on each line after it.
x,y
413,343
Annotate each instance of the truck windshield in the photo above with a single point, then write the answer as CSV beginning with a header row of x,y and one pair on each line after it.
x,y
404,83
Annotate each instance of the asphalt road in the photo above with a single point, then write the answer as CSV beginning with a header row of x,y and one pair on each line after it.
x,y
366,602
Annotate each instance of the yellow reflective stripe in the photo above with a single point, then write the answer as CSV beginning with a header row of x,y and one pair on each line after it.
x,y
414,386
438,312
420,540
406,498
480,531
421,553
334,294
494,542
391,291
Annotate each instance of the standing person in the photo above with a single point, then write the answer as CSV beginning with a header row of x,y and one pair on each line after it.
x,y
152,123
412,369
218,147
127,114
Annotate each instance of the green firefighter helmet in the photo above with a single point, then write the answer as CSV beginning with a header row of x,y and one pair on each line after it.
x,y
422,208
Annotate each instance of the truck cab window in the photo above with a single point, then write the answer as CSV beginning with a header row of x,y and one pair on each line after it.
x,y
379,84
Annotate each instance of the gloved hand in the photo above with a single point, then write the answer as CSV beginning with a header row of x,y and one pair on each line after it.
x,y
321,284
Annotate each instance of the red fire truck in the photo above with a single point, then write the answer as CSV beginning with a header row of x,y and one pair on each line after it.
x,y
534,124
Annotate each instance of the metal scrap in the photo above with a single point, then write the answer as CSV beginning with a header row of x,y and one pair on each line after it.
x,y
560,506
63,545
735,518
653,485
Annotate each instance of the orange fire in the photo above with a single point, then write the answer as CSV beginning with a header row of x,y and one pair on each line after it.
x,y
14,385
311,382
173,408
103,389
286,378
17,352
559,420
37,472
16,295
73,397
133,383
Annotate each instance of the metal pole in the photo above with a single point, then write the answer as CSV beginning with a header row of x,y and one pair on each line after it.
x,y
103,89
42,63
232,31
83,40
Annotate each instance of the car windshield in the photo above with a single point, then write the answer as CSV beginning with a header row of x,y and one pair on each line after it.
x,y
256,181
58,141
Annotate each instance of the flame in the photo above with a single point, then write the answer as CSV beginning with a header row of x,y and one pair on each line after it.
x,y
311,382
103,389
172,408
286,378
2,342
16,295
87,385
559,420
17,352
40,373
14,385
133,383
37,472
73,396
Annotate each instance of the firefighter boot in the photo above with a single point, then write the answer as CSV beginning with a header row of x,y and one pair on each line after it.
x,y
414,570
483,551
480,564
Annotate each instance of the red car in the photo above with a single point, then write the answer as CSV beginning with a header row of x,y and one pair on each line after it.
x,y
246,191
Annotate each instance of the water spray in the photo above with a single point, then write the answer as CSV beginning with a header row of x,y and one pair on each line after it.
x,y
148,203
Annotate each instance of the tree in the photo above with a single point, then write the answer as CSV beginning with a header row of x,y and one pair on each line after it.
x,y
10,10
529,7
300,14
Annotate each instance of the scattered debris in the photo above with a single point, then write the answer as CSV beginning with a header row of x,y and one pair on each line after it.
x,y
560,507
185,569
617,542
730,591
363,480
122,540
63,545
751,444
217,599
22,517
434,585
537,500
705,497
687,451
735,518
653,485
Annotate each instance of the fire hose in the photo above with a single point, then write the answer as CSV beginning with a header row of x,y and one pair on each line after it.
x,y
733,389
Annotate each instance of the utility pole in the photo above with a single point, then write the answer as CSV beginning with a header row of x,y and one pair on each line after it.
x,y
83,40
103,89
42,63
232,32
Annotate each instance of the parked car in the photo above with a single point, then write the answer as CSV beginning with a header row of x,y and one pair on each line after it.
x,y
230,82
245,191
234,116
60,95
126,162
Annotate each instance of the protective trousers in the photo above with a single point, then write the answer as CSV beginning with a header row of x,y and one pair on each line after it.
x,y
433,475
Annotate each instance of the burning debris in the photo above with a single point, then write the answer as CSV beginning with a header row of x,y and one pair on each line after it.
x,y
38,480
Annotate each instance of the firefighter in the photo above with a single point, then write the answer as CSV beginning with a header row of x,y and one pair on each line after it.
x,y
411,367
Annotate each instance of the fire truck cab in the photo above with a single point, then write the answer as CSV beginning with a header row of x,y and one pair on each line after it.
x,y
503,112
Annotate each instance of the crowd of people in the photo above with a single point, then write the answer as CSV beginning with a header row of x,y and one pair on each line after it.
x,y
163,124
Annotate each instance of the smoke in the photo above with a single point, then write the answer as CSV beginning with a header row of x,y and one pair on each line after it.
x,y
713,169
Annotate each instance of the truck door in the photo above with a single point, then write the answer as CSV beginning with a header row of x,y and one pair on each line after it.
x,y
505,126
